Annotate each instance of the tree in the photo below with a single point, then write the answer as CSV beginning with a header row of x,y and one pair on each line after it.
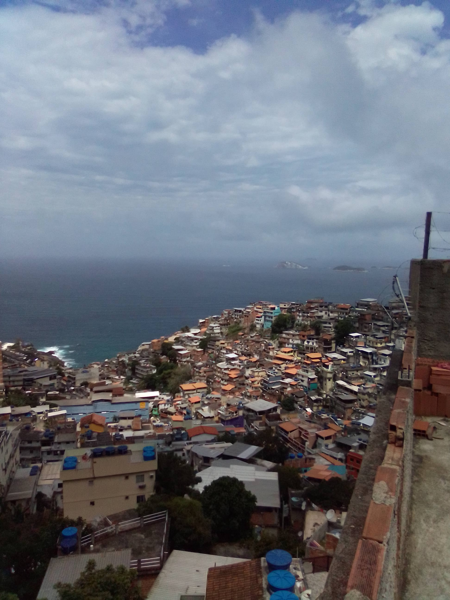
x,y
189,528
17,398
342,329
335,493
28,542
288,479
8,596
285,540
230,506
233,330
109,583
167,350
288,403
204,342
178,376
273,448
317,326
283,322
174,476
185,329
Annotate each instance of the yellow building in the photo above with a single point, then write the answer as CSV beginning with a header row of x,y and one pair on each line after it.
x,y
105,481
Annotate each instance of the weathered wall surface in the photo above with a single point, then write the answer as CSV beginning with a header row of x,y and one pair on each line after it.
x,y
430,295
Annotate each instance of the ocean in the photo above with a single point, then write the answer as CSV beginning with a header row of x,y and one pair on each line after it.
x,y
89,310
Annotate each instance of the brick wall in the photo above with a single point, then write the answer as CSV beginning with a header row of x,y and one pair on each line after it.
x,y
378,560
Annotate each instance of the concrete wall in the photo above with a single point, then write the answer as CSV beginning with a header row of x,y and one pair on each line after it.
x,y
430,296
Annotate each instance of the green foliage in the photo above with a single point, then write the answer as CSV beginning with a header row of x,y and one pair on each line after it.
x,y
18,398
283,322
230,507
177,377
104,584
252,327
185,329
203,345
342,329
233,330
227,437
174,476
285,540
167,350
167,378
317,326
335,493
288,403
288,478
8,596
27,545
189,528
273,448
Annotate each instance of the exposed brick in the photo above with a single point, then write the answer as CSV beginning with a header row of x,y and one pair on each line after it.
x,y
417,384
393,456
367,568
423,373
389,474
403,392
441,405
378,522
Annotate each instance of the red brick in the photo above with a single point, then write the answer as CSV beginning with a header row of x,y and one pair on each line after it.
x,y
389,474
439,380
441,405
417,384
367,568
418,404
432,403
447,406
393,456
403,392
378,522
423,373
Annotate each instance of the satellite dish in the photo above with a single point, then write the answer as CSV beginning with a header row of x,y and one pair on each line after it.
x,y
331,515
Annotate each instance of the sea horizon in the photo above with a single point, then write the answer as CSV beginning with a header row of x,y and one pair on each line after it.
x,y
87,310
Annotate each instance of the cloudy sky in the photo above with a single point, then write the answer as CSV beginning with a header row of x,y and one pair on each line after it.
x,y
222,128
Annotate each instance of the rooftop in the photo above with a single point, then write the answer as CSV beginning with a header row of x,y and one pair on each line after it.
x,y
241,581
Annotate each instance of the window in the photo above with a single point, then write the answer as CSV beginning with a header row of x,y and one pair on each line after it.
x,y
151,475
126,497
92,503
140,478
127,477
140,499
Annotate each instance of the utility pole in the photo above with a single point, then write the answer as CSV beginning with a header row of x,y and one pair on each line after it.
x,y
426,241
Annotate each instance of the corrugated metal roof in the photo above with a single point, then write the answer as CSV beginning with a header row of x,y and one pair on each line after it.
x,y
263,484
240,450
186,573
67,569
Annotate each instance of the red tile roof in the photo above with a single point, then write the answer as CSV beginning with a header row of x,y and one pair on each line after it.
x,y
240,581
202,429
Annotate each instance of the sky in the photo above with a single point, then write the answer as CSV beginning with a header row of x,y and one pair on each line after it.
x,y
234,129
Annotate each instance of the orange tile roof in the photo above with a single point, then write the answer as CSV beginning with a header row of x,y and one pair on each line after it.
x,y
287,427
200,385
195,399
239,581
177,418
202,429
187,387
291,371
326,433
228,388
314,355
286,350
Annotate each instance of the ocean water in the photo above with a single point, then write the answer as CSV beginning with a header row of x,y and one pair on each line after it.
x,y
88,310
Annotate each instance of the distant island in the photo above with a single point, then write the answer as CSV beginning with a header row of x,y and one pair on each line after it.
x,y
289,265
347,268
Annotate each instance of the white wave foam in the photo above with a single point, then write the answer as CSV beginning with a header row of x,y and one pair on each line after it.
x,y
60,352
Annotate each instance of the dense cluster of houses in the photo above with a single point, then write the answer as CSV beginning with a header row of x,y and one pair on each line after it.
x,y
317,396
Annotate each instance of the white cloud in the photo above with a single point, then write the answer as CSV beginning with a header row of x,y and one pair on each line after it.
x,y
301,133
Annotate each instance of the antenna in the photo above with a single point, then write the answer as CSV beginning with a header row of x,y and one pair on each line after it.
x,y
396,281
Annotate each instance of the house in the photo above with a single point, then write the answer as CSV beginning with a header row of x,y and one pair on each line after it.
x,y
185,575
67,569
259,409
263,484
325,438
22,491
9,457
240,581
202,434
354,462
104,481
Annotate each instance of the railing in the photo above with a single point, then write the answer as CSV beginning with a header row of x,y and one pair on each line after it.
x,y
89,539
145,565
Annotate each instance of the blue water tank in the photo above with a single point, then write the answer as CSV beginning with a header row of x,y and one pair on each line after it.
x,y
278,560
299,455
97,452
283,595
69,532
291,455
110,451
149,453
89,434
281,581
34,470
69,545
122,449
